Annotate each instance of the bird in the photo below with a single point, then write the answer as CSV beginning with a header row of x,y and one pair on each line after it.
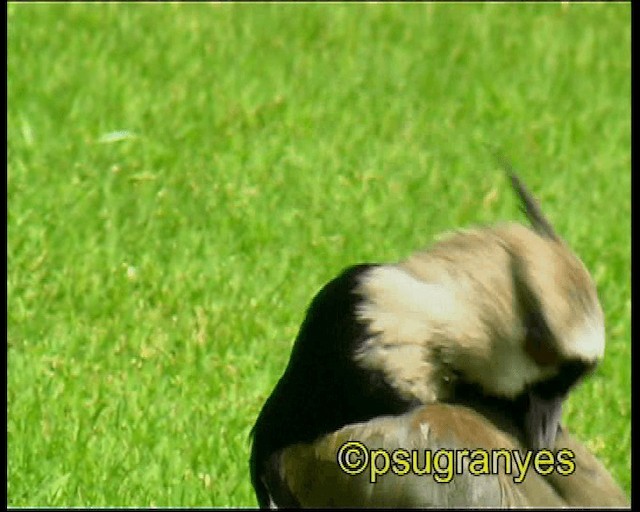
x,y
504,313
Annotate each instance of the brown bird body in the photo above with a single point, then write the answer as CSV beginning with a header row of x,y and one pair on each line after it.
x,y
483,334
311,477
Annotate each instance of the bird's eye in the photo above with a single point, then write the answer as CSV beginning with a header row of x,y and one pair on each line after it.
x,y
534,334
539,341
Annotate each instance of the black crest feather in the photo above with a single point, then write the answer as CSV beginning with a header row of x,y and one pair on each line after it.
x,y
529,206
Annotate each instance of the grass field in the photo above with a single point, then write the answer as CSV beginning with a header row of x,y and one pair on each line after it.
x,y
183,178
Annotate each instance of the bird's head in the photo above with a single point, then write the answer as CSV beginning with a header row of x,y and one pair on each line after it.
x,y
509,310
556,334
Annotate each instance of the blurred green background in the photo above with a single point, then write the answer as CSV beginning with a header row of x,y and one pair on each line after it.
x,y
183,178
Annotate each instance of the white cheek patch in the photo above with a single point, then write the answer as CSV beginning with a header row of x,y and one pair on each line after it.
x,y
586,341
509,372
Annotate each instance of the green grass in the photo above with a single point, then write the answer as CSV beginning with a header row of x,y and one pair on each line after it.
x,y
156,282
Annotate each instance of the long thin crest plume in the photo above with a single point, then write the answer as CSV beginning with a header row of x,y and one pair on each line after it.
x,y
529,206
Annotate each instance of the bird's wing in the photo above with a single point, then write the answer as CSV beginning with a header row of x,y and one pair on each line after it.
x,y
591,485
309,474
